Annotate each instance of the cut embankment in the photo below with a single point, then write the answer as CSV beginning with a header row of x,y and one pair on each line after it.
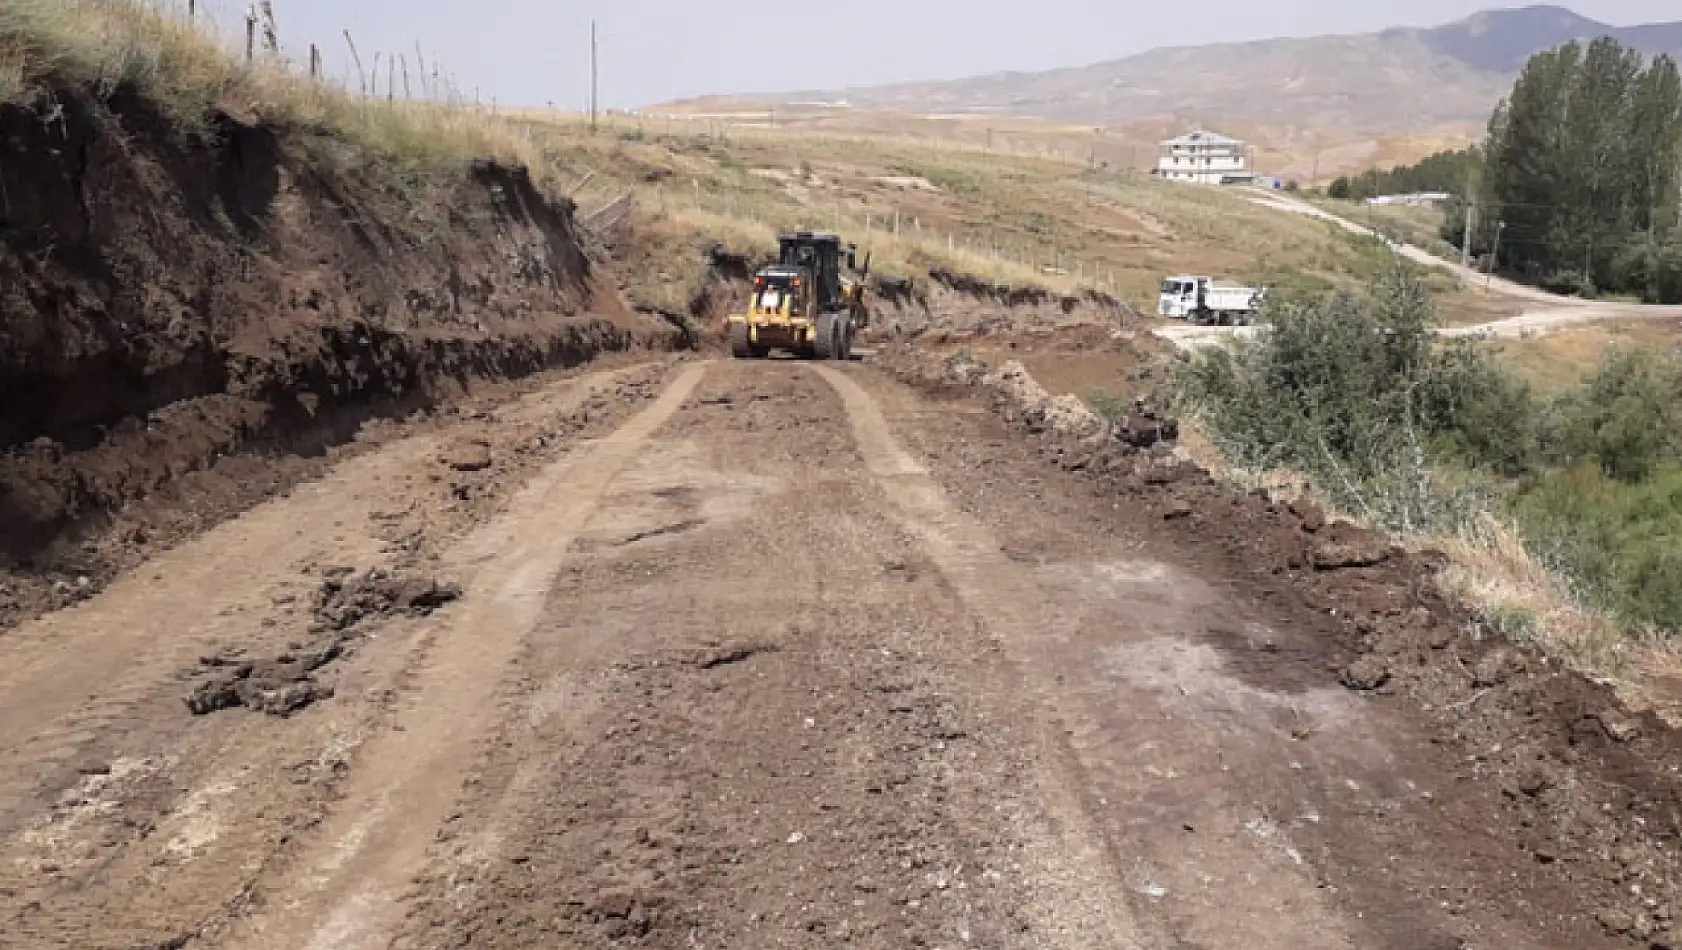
x,y
193,320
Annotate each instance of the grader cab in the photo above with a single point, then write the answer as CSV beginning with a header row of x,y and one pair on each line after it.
x,y
804,303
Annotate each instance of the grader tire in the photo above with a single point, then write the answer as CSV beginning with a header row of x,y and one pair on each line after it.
x,y
740,346
826,340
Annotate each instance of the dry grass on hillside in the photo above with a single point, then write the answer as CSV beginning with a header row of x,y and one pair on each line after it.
x,y
1288,151
1012,218
151,49
1555,361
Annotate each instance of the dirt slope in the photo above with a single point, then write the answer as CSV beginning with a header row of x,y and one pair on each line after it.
x,y
192,317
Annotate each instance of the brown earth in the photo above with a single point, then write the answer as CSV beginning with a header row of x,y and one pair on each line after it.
x,y
775,654
193,323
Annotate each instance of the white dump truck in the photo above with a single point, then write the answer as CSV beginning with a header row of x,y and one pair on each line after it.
x,y
1204,300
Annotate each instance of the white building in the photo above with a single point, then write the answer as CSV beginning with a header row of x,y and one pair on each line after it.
x,y
1424,199
1204,158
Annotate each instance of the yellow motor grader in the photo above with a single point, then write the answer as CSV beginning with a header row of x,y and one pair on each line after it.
x,y
803,303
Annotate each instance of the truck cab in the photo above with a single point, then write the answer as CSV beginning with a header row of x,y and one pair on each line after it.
x,y
1180,296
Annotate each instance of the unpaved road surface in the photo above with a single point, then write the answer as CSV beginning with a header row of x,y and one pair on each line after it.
x,y
721,654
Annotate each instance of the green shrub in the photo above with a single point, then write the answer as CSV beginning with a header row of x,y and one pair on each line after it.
x,y
1625,420
1359,394
1618,543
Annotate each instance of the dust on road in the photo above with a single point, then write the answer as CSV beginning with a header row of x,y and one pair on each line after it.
x,y
786,656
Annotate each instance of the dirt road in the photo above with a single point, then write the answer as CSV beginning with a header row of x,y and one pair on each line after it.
x,y
707,654
1544,311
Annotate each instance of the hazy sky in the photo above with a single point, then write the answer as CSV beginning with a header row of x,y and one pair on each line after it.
x,y
535,51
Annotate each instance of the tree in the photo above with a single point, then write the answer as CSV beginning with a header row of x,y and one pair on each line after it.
x,y
1581,172
1656,146
1443,171
1526,174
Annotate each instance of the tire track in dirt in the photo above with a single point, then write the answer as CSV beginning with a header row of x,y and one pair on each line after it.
x,y
106,670
343,890
1165,772
69,677
131,822
1008,601
776,728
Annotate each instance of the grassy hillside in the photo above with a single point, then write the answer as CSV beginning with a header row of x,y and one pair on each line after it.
x,y
1012,218
117,47
1287,149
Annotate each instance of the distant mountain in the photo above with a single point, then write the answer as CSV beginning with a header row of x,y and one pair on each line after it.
x,y
1395,79
1500,41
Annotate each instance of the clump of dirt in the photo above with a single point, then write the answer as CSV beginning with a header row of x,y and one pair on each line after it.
x,y
469,455
346,599
1145,426
279,687
1023,401
192,320
1037,409
345,602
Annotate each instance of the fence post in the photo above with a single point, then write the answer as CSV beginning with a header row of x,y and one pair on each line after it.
x,y
355,57
271,32
250,34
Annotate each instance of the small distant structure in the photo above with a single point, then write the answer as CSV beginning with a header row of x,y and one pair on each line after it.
x,y
1419,199
1202,157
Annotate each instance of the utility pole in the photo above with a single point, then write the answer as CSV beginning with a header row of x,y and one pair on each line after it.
x,y
1466,241
593,76
1495,254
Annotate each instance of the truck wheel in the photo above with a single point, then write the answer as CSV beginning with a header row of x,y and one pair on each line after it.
x,y
826,341
845,331
741,347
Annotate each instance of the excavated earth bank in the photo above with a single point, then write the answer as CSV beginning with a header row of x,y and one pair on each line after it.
x,y
194,322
